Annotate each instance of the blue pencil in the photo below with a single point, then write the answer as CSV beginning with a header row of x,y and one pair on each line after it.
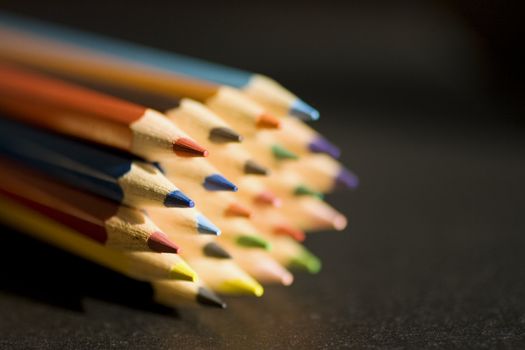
x,y
205,75
117,176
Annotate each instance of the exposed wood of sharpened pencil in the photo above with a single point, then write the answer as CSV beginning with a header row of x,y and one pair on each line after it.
x,y
259,264
312,214
323,173
197,171
216,204
225,276
184,221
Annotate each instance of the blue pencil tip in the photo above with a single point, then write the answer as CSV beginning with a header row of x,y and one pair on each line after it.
x,y
177,199
218,182
205,226
303,111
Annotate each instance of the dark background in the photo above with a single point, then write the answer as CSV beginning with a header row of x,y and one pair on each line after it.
x,y
426,100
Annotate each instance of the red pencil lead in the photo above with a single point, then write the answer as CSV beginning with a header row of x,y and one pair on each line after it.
x,y
186,147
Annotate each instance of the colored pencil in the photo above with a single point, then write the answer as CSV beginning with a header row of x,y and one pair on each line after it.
x,y
177,293
275,222
269,152
323,173
216,204
184,221
77,111
243,233
312,214
119,177
224,276
139,265
301,139
197,171
79,54
111,224
189,115
254,192
293,255
202,246
259,264
288,184
233,161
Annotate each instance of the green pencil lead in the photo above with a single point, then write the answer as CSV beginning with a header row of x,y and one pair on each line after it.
x,y
281,153
303,190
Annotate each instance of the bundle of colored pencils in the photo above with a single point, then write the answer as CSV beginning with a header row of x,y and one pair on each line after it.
x,y
197,178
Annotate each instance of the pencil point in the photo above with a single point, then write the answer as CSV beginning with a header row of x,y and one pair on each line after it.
x,y
322,145
243,286
218,182
306,261
339,222
182,271
303,190
288,230
281,153
177,199
346,179
214,250
224,135
205,226
186,147
209,298
303,111
253,242
236,209
250,167
159,242
267,121
268,198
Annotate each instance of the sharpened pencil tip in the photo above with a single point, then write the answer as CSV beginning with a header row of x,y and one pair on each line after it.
x,y
205,226
281,153
177,199
268,198
236,209
287,230
322,145
217,182
209,298
185,147
224,135
182,271
159,242
242,286
303,111
346,179
306,261
303,190
267,121
250,167
253,242
214,250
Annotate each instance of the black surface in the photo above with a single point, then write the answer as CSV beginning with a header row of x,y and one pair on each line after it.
x,y
433,257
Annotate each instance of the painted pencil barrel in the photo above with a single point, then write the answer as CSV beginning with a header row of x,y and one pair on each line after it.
x,y
139,265
116,176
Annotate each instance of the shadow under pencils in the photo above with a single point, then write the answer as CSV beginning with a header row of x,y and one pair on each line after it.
x,y
35,270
